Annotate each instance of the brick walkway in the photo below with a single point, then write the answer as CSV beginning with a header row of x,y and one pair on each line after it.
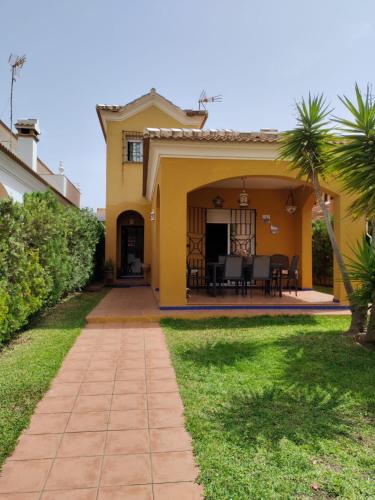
x,y
111,426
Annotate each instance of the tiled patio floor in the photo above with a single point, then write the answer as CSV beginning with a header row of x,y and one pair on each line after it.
x,y
111,426
139,304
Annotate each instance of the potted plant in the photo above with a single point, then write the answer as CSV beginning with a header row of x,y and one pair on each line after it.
x,y
108,272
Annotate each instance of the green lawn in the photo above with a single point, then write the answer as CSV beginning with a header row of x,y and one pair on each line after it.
x,y
28,365
279,407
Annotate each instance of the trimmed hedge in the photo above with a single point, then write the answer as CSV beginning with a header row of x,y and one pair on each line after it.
x,y
46,251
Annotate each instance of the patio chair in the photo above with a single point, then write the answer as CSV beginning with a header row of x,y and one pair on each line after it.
x,y
262,271
233,271
292,276
279,264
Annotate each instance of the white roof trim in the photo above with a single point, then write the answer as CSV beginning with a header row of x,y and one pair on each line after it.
x,y
151,99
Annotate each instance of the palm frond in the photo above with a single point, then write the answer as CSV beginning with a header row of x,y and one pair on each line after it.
x,y
354,156
307,146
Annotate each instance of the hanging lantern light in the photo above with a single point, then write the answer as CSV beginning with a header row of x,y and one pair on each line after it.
x,y
218,202
244,197
290,205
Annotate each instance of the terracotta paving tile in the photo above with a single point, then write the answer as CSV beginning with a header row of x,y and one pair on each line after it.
x,y
25,476
101,364
81,494
101,356
70,376
84,444
99,375
85,404
126,469
173,467
143,492
48,423
71,473
129,402
165,417
129,387
19,496
78,356
109,348
96,388
158,363
157,354
164,400
64,389
75,365
55,405
129,354
125,442
170,439
36,446
160,373
130,374
180,491
129,419
131,364
164,385
91,421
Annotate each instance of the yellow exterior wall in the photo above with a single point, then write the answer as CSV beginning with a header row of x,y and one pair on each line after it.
x,y
124,181
178,177
182,181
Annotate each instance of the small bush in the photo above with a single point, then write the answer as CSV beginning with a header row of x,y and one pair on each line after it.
x,y
46,251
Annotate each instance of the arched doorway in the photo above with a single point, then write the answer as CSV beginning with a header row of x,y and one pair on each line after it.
x,y
130,238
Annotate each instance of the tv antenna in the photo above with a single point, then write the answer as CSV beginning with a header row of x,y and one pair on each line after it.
x,y
16,63
204,99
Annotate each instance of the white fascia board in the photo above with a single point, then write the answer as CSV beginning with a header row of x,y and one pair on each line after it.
x,y
16,178
205,150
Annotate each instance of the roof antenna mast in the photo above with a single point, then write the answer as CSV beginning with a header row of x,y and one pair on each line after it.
x,y
204,99
16,63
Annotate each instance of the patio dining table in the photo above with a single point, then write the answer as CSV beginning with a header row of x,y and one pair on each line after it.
x,y
277,270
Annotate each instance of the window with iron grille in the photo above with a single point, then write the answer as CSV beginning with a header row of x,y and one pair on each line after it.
x,y
133,147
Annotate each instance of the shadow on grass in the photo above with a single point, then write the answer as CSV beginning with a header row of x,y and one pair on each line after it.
x,y
324,388
221,353
303,415
225,322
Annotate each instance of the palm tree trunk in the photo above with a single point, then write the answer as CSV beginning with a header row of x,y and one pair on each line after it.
x,y
369,337
359,314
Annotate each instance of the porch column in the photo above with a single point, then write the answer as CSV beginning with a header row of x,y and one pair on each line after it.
x,y
172,272
306,202
348,232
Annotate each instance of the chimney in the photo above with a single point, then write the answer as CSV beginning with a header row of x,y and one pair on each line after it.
x,y
28,131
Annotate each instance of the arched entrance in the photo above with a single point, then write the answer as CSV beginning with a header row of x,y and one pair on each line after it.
x,y
130,244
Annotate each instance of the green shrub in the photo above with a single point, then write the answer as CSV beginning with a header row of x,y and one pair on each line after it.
x,y
322,255
46,251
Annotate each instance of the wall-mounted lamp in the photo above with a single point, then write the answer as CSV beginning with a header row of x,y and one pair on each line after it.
x,y
152,215
266,218
218,202
275,229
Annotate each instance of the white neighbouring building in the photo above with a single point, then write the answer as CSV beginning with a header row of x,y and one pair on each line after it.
x,y
21,171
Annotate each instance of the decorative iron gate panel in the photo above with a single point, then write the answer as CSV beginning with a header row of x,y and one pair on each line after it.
x,y
242,232
242,239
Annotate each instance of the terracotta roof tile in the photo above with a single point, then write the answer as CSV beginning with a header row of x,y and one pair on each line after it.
x,y
224,135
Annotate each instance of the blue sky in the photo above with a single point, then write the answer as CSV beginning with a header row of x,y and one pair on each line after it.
x,y
261,56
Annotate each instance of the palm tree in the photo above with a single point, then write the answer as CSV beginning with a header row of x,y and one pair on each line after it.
x,y
362,271
308,149
354,163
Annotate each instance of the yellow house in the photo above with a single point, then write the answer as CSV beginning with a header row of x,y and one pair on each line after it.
x,y
178,195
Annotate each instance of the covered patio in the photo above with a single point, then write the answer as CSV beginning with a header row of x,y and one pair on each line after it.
x,y
219,193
